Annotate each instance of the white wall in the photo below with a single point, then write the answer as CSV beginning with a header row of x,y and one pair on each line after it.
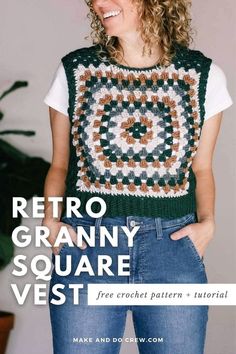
x,y
34,36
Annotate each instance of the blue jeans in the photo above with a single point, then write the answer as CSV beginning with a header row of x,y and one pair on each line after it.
x,y
154,258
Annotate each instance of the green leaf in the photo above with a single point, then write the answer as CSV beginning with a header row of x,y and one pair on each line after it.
x,y
1,115
6,250
15,86
18,132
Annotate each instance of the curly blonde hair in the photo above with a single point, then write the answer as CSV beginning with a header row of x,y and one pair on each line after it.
x,y
164,22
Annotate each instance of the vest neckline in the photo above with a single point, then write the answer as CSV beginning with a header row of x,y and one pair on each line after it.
x,y
114,63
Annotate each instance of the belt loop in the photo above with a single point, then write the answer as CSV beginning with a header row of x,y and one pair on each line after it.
x,y
159,228
98,224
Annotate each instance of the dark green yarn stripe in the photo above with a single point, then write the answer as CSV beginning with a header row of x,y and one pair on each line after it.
x,y
67,63
72,166
206,63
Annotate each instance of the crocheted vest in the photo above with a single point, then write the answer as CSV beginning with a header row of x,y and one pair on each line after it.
x,y
135,131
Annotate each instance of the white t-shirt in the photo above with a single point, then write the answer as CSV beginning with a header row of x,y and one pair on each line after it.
x,y
217,95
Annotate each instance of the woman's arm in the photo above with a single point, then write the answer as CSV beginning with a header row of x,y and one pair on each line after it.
x,y
202,167
55,180
201,233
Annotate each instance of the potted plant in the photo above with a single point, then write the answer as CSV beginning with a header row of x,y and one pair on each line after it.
x,y
20,176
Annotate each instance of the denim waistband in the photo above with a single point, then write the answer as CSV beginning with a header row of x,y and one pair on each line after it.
x,y
145,223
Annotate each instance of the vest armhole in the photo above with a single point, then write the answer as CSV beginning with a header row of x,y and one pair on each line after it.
x,y
67,62
70,62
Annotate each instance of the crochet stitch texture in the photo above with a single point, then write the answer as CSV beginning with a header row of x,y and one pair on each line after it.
x,y
135,132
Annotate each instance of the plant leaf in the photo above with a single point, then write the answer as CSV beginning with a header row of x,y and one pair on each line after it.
x,y
18,132
1,115
6,250
15,86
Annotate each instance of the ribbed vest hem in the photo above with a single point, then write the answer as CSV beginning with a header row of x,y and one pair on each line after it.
x,y
141,206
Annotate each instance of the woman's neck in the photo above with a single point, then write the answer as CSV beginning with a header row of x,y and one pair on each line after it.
x,y
133,54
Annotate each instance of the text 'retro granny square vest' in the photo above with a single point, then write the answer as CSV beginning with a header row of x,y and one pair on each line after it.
x,y
135,131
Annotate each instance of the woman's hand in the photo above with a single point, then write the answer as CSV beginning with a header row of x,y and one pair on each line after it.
x,y
54,228
201,233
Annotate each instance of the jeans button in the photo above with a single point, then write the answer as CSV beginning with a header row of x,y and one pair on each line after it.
x,y
132,223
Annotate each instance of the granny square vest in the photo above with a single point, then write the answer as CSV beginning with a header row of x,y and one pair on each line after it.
x,y
135,131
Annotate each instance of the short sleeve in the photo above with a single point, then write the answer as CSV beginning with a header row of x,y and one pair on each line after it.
x,y
217,95
57,95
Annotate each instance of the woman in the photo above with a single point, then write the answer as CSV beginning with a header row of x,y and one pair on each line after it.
x,y
127,114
